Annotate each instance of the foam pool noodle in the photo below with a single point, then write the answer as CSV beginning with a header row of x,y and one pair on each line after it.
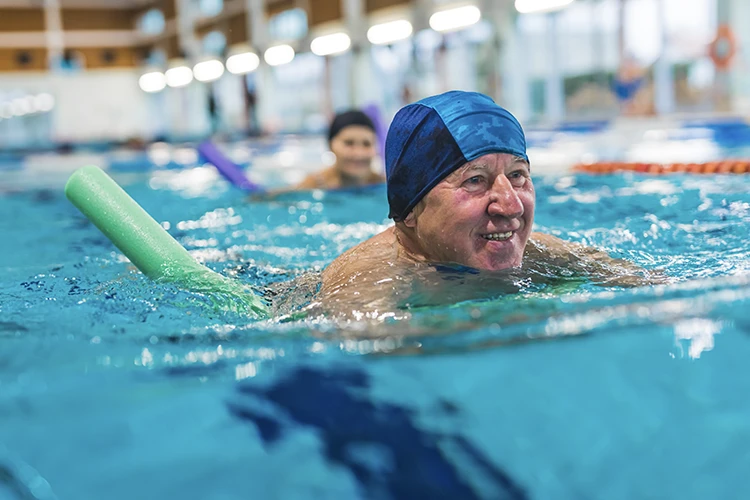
x,y
149,247
228,169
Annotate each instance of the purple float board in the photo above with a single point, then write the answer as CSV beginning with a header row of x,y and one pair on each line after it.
x,y
381,130
229,170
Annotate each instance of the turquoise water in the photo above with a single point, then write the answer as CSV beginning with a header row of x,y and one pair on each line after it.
x,y
113,387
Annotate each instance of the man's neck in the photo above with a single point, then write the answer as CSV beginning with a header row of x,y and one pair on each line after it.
x,y
407,243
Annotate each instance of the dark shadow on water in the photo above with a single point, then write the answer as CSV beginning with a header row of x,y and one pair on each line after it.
x,y
410,462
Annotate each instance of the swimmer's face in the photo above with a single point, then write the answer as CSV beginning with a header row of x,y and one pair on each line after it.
x,y
354,147
479,216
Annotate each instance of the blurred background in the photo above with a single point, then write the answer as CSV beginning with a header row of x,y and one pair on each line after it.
x,y
90,75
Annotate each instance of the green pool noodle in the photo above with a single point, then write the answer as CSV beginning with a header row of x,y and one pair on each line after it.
x,y
149,246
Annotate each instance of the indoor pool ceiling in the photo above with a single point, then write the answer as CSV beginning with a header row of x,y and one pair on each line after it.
x,y
77,3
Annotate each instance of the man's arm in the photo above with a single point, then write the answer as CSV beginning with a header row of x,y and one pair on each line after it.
x,y
601,268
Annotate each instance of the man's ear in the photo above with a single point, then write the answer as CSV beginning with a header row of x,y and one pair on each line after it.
x,y
410,220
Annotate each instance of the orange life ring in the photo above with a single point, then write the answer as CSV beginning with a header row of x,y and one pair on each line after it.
x,y
723,48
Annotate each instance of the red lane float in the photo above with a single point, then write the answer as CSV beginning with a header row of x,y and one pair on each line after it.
x,y
714,167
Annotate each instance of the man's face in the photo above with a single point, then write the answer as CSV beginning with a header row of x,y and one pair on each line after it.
x,y
479,216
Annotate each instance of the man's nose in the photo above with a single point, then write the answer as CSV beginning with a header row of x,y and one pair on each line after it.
x,y
503,199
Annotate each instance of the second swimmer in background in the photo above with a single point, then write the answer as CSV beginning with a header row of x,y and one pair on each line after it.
x,y
352,140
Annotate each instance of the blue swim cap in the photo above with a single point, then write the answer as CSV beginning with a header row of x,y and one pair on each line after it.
x,y
433,137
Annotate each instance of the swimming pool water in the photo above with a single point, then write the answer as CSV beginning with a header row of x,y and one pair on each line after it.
x,y
112,386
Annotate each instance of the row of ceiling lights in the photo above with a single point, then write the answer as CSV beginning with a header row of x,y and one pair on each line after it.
x,y
380,34
335,43
26,105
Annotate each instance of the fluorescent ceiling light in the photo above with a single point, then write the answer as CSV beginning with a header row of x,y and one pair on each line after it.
x,y
389,32
152,82
278,55
30,104
539,6
245,62
179,76
208,71
20,106
334,43
455,19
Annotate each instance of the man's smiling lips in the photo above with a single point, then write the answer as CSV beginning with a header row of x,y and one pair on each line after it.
x,y
498,236
502,233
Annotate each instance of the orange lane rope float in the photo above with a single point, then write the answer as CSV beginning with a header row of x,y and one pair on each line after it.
x,y
714,167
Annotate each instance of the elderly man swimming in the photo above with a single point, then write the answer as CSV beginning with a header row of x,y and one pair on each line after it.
x,y
461,195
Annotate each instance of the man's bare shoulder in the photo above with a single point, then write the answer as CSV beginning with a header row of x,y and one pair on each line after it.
x,y
375,251
366,277
546,239
594,262
556,248
550,248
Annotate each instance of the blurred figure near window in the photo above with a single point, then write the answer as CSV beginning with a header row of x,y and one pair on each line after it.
x,y
633,89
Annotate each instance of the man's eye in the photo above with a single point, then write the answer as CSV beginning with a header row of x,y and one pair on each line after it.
x,y
349,143
475,183
517,178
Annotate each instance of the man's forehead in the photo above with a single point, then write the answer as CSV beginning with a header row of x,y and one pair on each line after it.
x,y
489,162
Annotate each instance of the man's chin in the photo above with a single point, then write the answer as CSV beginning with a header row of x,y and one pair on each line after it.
x,y
498,265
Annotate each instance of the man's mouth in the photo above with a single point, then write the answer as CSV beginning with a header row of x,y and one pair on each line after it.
x,y
498,236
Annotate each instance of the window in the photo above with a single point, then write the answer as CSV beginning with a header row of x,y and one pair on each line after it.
x,y
156,57
151,22
214,43
288,25
210,8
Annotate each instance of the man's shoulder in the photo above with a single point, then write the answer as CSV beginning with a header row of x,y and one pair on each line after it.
x,y
378,252
378,246
546,239
547,248
363,276
547,243
557,247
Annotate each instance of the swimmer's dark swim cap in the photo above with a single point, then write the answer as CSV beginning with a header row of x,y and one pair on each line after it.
x,y
433,137
343,120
